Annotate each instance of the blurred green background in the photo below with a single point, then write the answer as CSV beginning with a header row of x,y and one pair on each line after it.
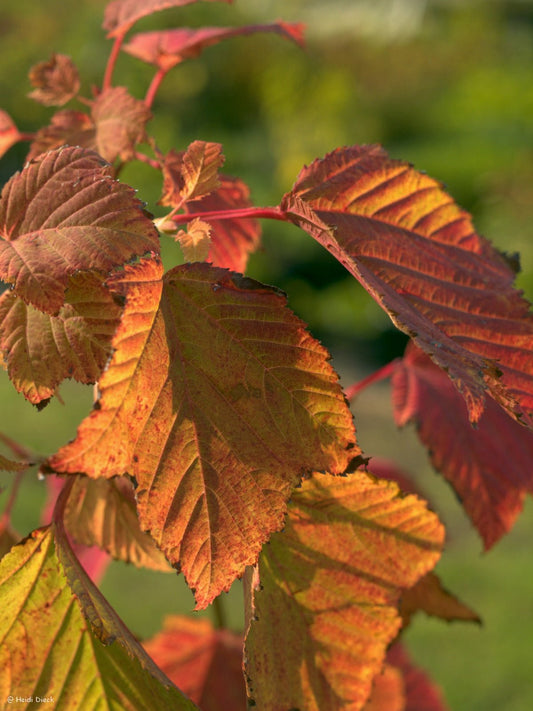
x,y
446,85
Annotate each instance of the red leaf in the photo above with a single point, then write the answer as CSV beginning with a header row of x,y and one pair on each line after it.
x,y
191,174
167,48
120,122
422,694
64,213
120,15
418,256
206,664
67,127
56,81
9,133
488,466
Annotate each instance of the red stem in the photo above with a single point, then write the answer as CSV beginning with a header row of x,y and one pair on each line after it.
x,y
384,372
154,86
112,60
271,213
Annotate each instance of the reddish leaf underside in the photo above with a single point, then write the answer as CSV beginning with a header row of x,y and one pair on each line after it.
x,y
167,48
326,608
42,350
9,133
489,466
205,663
419,257
121,15
56,81
68,644
63,213
67,127
216,400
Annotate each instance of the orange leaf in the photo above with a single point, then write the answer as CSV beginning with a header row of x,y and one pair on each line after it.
x,y
191,174
120,122
432,598
195,243
488,466
56,81
419,257
421,694
217,401
205,663
326,607
89,222
388,691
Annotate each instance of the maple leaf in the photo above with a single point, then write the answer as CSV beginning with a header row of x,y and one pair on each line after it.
x,y
418,256
9,133
205,663
120,122
70,127
91,660
167,48
56,81
42,350
217,401
64,213
101,512
191,174
326,605
121,15
488,466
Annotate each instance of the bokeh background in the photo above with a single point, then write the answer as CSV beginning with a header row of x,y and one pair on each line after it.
x,y
444,84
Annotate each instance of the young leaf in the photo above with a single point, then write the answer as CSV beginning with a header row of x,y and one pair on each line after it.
x,y
431,597
68,644
488,466
64,213
56,81
42,350
418,256
167,48
217,401
205,663
120,122
196,242
67,127
9,133
121,15
325,609
191,174
102,513
231,240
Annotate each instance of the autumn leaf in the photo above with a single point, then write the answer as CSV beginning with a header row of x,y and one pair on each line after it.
x,y
120,122
488,466
421,693
67,127
102,512
234,239
68,644
42,350
191,174
56,81
196,241
64,213
205,663
429,595
167,48
325,607
217,401
9,133
121,15
388,691
418,256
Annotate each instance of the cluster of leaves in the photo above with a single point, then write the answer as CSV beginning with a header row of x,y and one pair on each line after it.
x,y
219,425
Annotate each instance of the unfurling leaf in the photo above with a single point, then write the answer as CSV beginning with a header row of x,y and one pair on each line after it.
x,y
217,401
101,512
121,15
68,644
205,663
42,350
191,174
56,81
63,213
9,133
196,242
489,466
417,254
167,48
429,596
326,607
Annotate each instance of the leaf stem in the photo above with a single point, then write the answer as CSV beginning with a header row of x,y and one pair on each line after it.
x,y
154,86
271,213
6,513
385,372
112,60
219,613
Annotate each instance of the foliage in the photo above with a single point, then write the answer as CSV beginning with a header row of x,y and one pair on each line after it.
x,y
220,442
